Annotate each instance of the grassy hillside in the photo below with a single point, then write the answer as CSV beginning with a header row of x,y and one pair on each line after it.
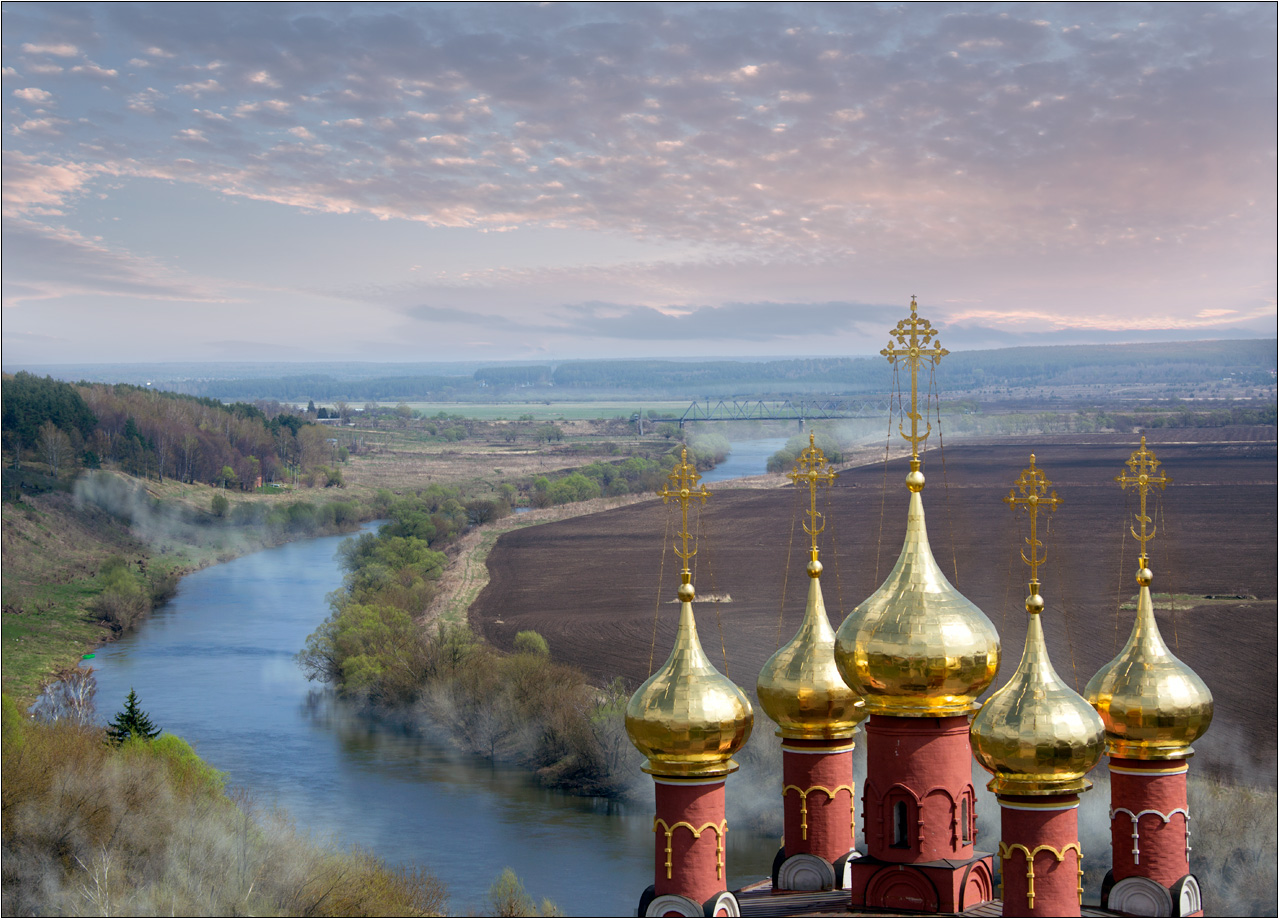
x,y
70,549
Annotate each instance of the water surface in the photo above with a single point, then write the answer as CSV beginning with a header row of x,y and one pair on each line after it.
x,y
749,457
215,666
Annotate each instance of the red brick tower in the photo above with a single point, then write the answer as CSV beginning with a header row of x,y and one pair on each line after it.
x,y
919,653
1039,738
1153,707
689,720
800,688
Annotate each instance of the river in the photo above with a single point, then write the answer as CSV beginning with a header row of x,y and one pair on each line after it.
x,y
749,457
215,666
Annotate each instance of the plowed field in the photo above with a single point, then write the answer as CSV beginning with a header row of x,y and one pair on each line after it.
x,y
590,585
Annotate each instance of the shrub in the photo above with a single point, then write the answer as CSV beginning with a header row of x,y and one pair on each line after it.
x,y
507,897
163,584
530,642
708,450
375,652
145,829
190,774
573,487
122,600
11,725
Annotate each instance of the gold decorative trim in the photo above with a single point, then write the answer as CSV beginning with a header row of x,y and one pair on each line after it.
x,y
721,830
1136,834
682,781
847,748
1006,851
1028,806
830,793
1175,770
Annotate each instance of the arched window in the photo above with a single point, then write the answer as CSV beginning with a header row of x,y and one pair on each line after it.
x,y
965,822
901,830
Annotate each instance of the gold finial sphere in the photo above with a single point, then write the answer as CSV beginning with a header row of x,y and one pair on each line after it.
x,y
814,568
1034,603
686,593
915,480
1145,576
1032,499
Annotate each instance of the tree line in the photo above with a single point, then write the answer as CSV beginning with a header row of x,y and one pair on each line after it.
x,y
1250,361
522,707
156,434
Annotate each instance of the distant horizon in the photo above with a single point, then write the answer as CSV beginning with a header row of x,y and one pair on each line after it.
x,y
1172,335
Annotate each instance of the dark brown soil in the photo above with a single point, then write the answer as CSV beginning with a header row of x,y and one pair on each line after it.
x,y
590,585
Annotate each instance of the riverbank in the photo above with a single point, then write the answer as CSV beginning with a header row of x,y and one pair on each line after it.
x,y
61,546
216,665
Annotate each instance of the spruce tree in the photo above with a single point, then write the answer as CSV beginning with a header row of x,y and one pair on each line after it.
x,y
131,722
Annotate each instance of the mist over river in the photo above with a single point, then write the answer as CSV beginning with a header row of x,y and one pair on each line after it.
x,y
215,666
749,457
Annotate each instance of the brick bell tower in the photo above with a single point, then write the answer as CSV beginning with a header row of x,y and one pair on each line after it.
x,y
1039,739
817,714
920,654
688,719
1153,707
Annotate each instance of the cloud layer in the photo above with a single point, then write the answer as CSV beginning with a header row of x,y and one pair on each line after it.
x,y
1111,163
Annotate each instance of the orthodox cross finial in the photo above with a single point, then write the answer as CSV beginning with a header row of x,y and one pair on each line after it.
x,y
1033,486
917,340
1143,465
811,467
683,478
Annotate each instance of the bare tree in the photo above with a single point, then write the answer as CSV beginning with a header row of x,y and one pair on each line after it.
x,y
54,446
68,697
190,450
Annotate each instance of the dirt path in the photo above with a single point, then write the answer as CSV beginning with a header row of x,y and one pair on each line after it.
x,y
467,573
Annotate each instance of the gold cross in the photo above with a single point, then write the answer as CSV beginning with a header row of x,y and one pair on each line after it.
x,y
815,469
1033,486
915,335
1143,464
684,477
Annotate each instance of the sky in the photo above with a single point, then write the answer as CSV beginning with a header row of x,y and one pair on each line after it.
x,y
402,182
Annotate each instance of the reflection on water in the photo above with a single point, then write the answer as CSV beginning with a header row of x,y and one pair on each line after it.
x,y
215,666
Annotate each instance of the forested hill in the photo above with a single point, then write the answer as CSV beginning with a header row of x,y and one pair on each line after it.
x,y
1191,362
1250,362
154,434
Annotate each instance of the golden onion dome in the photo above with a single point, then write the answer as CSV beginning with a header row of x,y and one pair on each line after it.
x,y
688,718
1153,706
917,647
800,687
1035,734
